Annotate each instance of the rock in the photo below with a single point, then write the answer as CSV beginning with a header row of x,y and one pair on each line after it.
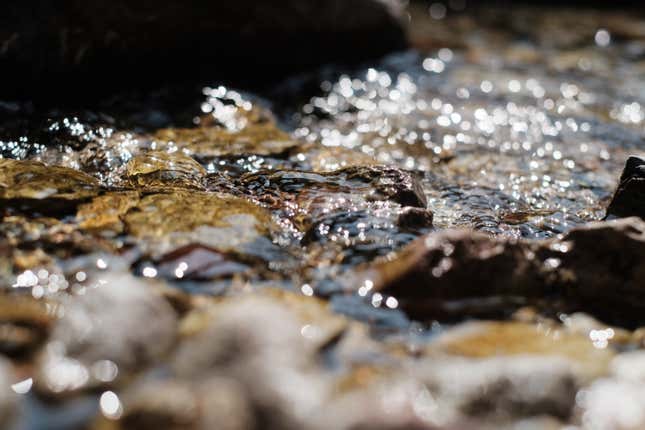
x,y
110,327
454,273
629,366
167,221
200,263
88,49
104,214
607,279
415,218
313,193
629,198
328,159
160,170
33,186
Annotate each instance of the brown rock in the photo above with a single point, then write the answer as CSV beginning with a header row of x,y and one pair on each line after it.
x,y
458,272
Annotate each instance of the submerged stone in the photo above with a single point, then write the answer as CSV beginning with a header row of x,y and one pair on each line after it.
x,y
162,170
629,198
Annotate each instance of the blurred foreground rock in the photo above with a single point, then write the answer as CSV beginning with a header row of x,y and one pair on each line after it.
x,y
72,45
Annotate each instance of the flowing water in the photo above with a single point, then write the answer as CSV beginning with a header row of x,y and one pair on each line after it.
x,y
515,123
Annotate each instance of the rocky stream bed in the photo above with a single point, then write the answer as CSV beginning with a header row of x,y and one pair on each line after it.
x,y
451,237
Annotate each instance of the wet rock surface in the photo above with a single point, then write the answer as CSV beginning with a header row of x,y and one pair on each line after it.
x,y
458,272
427,243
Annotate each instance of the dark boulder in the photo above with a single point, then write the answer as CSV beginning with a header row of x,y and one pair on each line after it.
x,y
456,274
629,199
76,48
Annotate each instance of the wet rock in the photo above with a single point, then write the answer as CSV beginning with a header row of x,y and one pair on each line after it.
x,y
601,334
160,170
373,182
104,214
389,183
606,279
629,198
329,159
37,242
122,45
415,219
170,220
349,206
106,333
35,187
321,327
459,272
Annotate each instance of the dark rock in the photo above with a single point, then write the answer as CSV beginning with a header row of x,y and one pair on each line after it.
x,y
603,270
415,218
74,45
629,199
459,273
